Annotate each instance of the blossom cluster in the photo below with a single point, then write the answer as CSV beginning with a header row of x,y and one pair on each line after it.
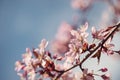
x,y
42,64
71,48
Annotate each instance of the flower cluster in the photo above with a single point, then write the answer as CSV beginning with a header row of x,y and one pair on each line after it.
x,y
35,62
78,44
40,64
71,48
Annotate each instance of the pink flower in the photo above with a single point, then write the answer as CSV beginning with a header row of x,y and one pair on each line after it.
x,y
63,33
26,66
19,66
81,33
101,34
97,34
45,63
30,71
40,51
84,27
59,47
78,44
27,56
31,74
62,38
42,46
23,76
73,53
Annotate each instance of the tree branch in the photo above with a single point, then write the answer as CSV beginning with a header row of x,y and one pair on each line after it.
x,y
91,52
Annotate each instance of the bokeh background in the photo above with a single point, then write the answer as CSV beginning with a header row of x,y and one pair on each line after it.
x,y
23,23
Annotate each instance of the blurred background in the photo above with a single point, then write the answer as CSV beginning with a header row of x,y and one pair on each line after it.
x,y
23,23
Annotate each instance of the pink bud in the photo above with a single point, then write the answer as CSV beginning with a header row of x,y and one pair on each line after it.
x,y
105,76
103,69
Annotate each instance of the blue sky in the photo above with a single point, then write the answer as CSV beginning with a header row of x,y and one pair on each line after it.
x,y
23,23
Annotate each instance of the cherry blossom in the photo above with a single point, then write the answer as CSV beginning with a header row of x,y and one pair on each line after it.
x,y
77,44
71,48
42,46
62,38
19,66
41,62
27,56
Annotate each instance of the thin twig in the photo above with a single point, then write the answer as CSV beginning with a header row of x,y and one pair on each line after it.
x,y
91,52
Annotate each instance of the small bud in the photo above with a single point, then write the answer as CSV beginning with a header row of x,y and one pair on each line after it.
x,y
103,69
105,76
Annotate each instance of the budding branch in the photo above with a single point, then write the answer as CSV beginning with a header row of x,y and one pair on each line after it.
x,y
90,52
